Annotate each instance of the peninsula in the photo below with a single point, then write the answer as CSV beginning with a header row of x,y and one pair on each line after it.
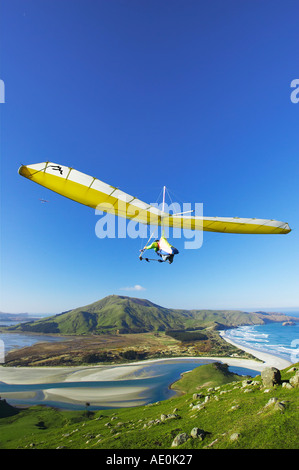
x,y
120,329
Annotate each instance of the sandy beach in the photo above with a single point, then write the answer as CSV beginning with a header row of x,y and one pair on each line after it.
x,y
269,360
108,396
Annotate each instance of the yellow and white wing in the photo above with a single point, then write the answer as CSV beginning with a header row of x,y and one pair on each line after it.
x,y
94,193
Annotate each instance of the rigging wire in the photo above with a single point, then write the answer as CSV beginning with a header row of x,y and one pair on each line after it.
x,y
142,239
165,191
212,234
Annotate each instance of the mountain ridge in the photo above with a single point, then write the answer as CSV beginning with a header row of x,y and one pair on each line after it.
x,y
123,314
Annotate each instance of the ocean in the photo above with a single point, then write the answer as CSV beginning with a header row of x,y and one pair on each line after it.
x,y
271,338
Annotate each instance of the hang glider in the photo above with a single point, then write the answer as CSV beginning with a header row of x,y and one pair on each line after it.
x,y
96,194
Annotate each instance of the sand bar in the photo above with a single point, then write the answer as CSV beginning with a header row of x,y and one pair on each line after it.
x,y
110,397
120,395
44,375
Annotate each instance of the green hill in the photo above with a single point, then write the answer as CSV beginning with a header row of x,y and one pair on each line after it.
x,y
209,375
132,315
109,315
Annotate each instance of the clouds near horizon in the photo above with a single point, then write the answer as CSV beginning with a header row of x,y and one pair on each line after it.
x,y
137,288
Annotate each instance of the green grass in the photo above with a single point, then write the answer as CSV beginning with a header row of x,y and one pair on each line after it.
x,y
210,375
136,428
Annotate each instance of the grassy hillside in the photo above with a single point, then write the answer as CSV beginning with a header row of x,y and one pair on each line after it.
x,y
210,375
6,409
111,314
226,318
234,415
119,314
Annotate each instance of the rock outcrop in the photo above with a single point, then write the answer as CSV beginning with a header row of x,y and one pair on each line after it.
x,y
180,439
271,377
294,381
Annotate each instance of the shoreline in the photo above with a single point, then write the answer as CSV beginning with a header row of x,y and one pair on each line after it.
x,y
270,360
120,396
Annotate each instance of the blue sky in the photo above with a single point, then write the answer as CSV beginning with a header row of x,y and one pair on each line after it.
x,y
192,95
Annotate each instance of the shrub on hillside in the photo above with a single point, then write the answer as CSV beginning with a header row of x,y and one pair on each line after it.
x,y
186,336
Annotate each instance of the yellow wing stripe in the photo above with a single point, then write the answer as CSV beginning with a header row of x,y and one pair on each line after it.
x,y
96,194
90,197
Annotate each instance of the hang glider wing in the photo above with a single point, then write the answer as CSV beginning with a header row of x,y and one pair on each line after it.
x,y
94,193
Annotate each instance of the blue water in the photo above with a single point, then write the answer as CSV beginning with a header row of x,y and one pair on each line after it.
x,y
160,376
17,340
271,338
